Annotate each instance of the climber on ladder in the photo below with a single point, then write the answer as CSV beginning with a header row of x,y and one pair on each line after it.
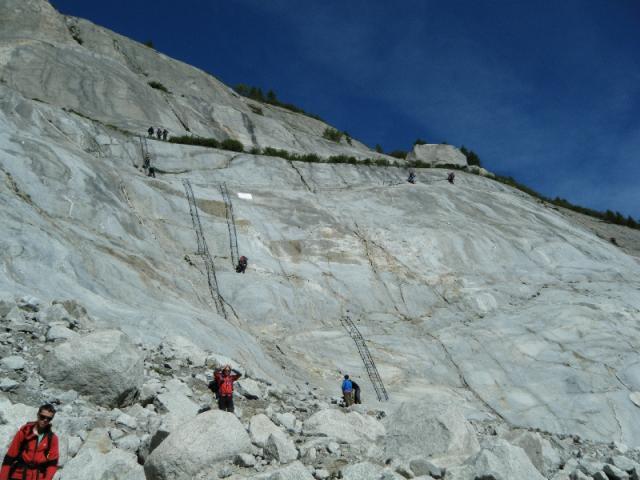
x,y
242,264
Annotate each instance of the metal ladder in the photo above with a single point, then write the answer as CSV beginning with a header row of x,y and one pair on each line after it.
x,y
231,225
369,364
203,250
144,148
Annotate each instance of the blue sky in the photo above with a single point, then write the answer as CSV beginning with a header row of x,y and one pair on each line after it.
x,y
546,91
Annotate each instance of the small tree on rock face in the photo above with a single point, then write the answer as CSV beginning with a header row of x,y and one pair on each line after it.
x,y
332,134
472,157
378,148
420,141
149,43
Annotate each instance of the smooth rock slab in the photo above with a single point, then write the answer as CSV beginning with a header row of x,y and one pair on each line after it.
x,y
345,427
425,429
208,438
105,366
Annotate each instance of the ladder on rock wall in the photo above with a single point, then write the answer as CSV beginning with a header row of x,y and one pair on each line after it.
x,y
369,364
231,225
203,250
146,156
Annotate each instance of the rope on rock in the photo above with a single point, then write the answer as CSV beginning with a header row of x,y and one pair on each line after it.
x,y
369,364
231,225
203,250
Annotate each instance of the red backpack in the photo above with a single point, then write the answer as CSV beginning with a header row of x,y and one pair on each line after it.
x,y
226,385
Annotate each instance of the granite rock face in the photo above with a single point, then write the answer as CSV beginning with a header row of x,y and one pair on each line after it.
x,y
472,294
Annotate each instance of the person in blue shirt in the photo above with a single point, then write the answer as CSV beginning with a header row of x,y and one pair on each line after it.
x,y
347,391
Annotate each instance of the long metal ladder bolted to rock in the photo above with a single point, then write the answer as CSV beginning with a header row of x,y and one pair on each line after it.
x,y
231,224
144,148
203,250
369,364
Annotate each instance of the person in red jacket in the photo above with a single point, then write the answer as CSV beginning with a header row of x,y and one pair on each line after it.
x,y
33,453
224,378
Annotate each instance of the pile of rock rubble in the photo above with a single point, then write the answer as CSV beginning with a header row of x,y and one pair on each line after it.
x,y
135,411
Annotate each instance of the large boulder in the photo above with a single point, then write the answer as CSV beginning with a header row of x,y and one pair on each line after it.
x,y
208,438
429,430
437,154
281,448
12,417
349,427
538,449
498,460
105,366
91,464
260,428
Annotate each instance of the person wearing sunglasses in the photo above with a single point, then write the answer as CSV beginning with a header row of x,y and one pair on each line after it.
x,y
33,453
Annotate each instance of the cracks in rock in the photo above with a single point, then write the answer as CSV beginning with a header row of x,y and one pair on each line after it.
x,y
248,124
183,123
463,380
612,406
301,177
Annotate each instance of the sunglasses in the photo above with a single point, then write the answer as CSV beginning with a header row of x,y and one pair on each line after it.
x,y
44,418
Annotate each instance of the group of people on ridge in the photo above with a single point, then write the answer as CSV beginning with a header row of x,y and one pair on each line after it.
x,y
160,133
412,177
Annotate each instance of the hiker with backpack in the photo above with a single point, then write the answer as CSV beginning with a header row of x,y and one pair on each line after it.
x,y
347,391
150,132
412,177
356,393
33,453
451,177
242,264
224,378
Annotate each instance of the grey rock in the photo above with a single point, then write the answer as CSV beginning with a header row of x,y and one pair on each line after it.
x,y
437,154
127,421
130,443
349,427
281,448
245,460
426,429
333,447
92,464
261,428
8,384
13,362
614,473
249,388
29,303
59,332
287,420
538,449
321,474
105,366
189,450
293,471
624,463
421,466
362,471
498,460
